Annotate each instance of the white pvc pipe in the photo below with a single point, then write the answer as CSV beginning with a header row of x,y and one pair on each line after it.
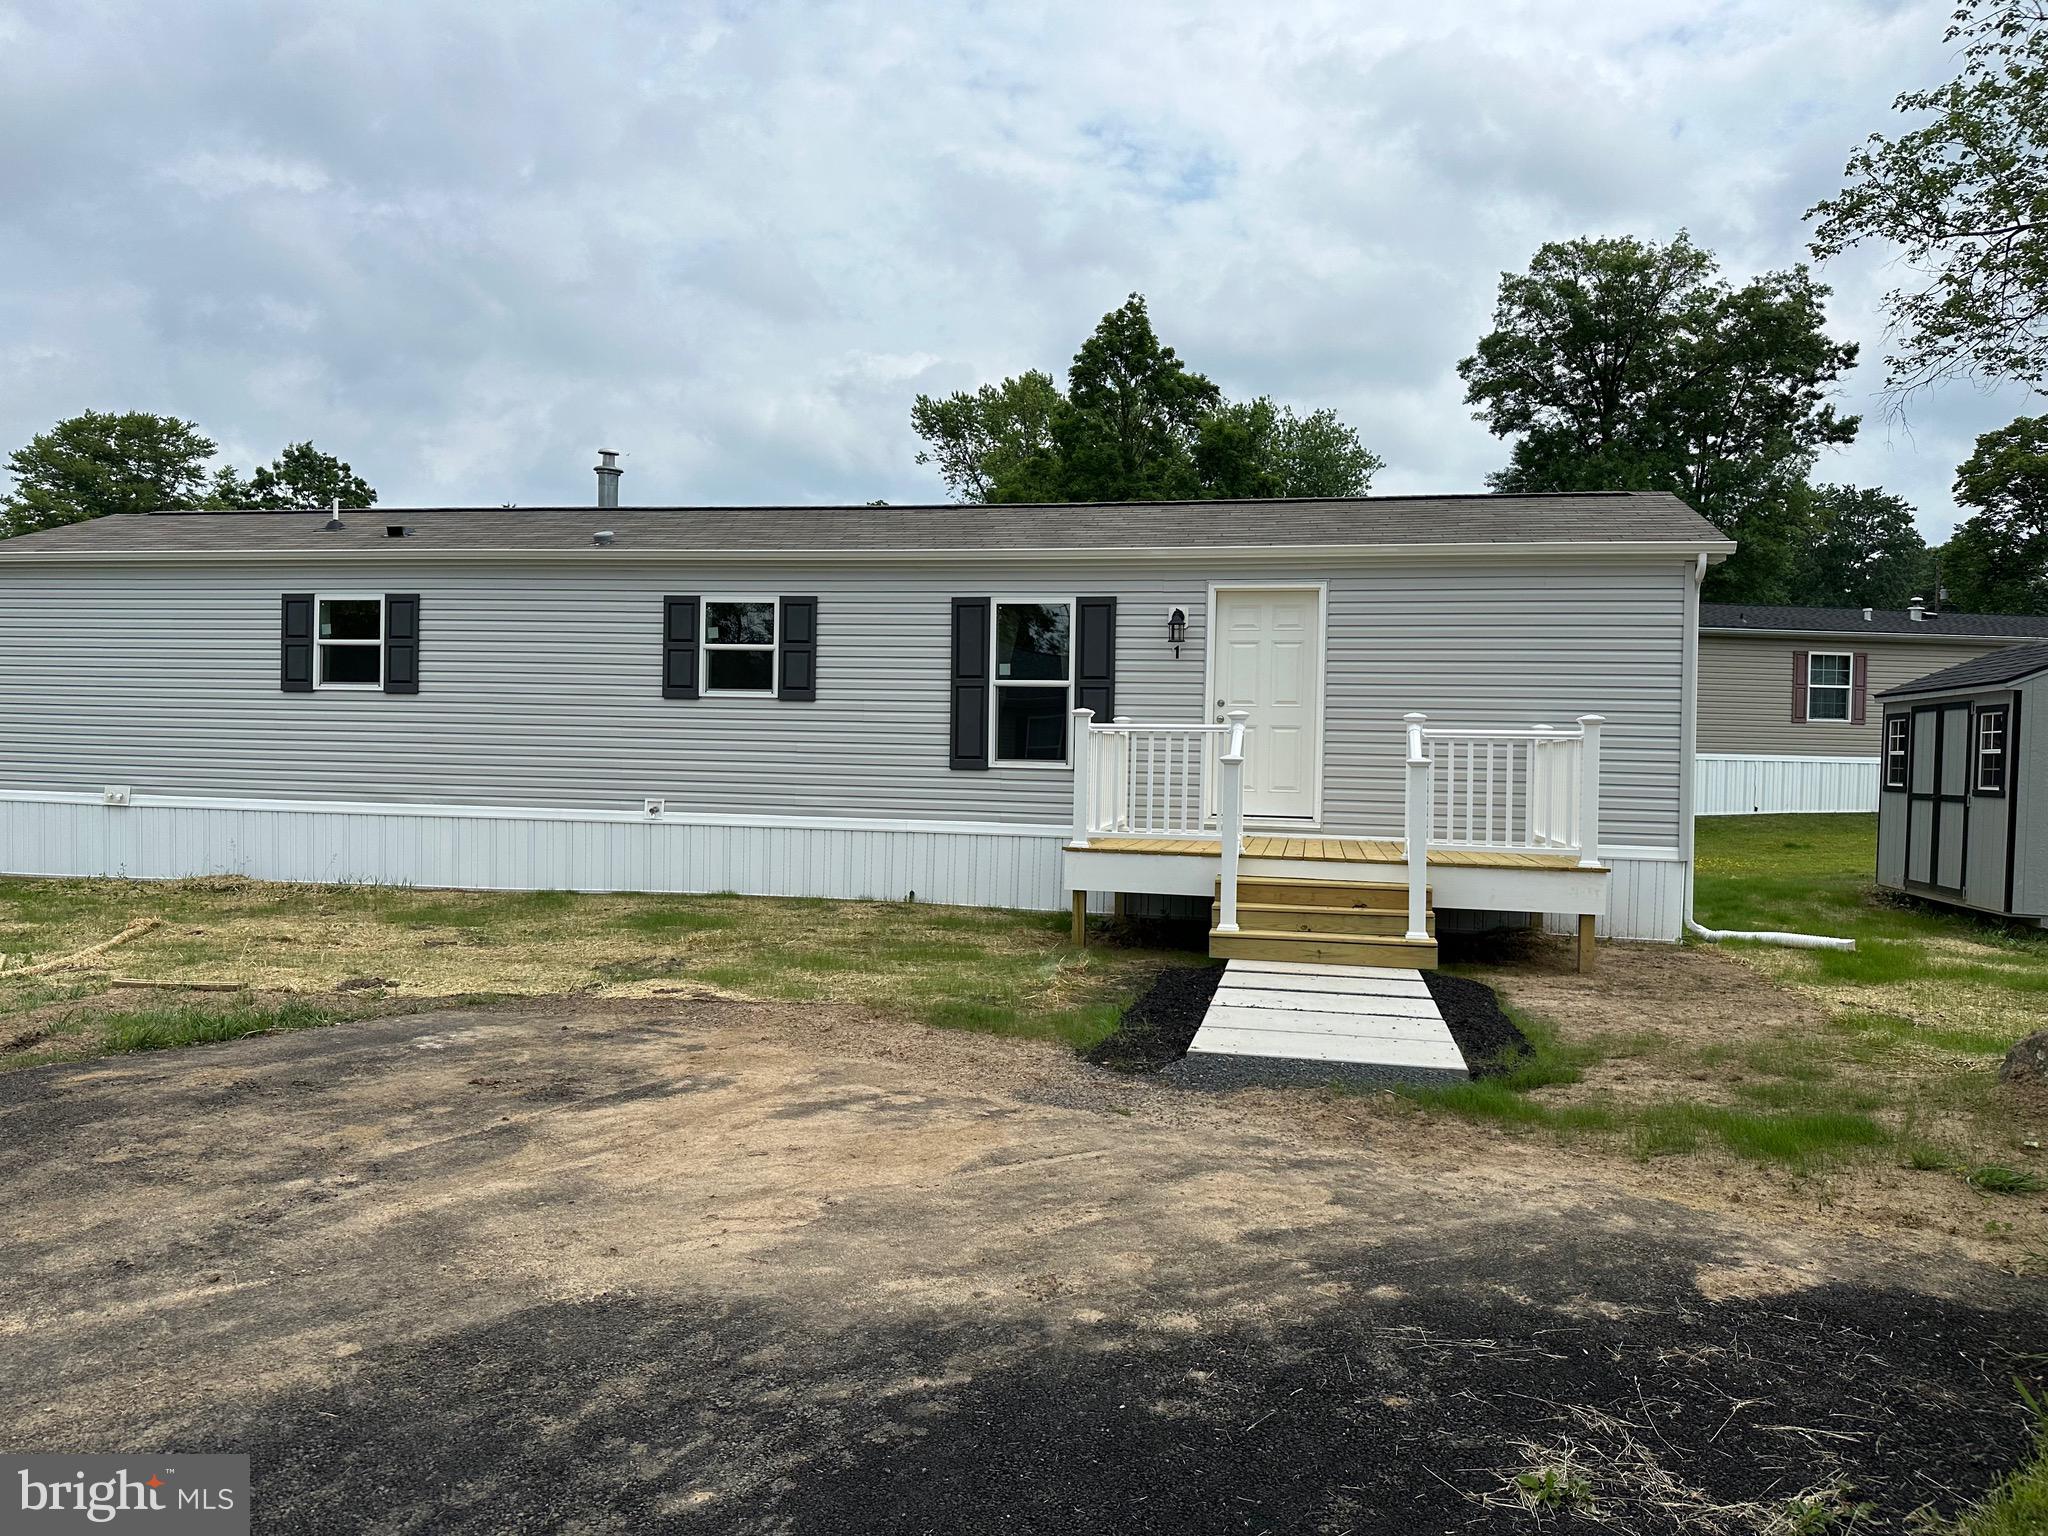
x,y
1784,940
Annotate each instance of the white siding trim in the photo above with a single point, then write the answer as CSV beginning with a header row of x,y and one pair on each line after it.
x,y
1732,784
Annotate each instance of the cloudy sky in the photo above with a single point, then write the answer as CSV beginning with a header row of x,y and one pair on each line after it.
x,y
465,245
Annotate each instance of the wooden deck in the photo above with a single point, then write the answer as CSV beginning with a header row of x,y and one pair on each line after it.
x,y
1333,850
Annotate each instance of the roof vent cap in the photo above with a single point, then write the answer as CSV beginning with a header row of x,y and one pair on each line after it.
x,y
397,531
1916,610
603,536
1866,615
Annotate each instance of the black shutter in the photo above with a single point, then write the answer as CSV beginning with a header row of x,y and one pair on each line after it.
x,y
402,642
295,649
796,636
679,647
1095,657
969,746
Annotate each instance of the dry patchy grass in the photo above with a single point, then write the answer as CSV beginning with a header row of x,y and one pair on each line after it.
x,y
1005,972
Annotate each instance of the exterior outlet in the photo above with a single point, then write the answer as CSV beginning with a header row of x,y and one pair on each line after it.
x,y
655,807
116,794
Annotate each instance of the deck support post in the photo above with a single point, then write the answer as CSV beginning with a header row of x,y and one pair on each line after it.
x,y
1084,813
1230,818
1416,844
1080,919
1589,791
1587,958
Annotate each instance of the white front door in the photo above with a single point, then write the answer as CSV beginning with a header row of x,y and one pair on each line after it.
x,y
1268,658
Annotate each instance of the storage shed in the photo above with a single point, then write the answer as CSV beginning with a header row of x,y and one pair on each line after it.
x,y
1963,813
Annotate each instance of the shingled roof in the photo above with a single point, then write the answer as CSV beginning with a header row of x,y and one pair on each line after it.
x,y
1765,619
1592,518
1992,671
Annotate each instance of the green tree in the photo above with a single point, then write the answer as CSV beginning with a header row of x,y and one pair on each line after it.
x,y
997,444
1621,364
1133,413
301,478
1258,449
1965,198
1860,549
1133,424
100,462
1997,559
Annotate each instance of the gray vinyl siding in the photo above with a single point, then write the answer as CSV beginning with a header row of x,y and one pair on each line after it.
x,y
1746,691
540,685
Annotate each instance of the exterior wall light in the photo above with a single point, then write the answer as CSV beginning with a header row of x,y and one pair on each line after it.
x,y
1177,629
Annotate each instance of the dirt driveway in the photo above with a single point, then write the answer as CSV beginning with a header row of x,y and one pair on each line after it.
x,y
749,1269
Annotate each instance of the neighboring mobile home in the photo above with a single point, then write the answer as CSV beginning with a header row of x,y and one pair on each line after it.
x,y
1963,816
1785,719
871,702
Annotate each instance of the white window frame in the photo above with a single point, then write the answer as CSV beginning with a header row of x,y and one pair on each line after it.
x,y
706,647
320,645
1979,752
997,684
1848,716
1902,727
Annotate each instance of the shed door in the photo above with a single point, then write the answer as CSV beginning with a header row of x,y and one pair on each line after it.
x,y
1938,797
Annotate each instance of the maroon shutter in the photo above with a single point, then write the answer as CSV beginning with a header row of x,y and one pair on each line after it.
x,y
1859,687
1799,687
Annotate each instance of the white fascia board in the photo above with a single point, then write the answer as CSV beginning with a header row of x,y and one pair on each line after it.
x,y
1174,555
1864,637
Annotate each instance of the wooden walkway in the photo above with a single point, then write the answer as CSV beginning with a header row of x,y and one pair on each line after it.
x,y
1332,850
1274,1021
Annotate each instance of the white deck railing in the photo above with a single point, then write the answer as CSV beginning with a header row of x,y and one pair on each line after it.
x,y
1508,790
1146,780
1533,790
1133,779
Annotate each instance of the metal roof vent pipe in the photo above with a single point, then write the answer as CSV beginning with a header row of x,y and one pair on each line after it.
x,y
333,524
1916,610
608,473
1866,615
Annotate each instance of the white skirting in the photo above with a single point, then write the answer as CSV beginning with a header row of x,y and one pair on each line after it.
x,y
165,837
1645,897
1728,784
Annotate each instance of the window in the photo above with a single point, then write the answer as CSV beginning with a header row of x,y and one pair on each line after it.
x,y
1827,685
1895,728
348,638
739,645
1034,681
1991,751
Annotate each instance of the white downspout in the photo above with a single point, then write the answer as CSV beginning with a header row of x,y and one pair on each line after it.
x,y
1689,713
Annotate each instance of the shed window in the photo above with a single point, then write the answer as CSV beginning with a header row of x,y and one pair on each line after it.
x,y
349,637
1034,681
739,645
1991,751
1827,685
1895,728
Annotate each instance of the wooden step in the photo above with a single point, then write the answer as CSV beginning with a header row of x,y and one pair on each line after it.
x,y
1285,917
1286,890
1324,949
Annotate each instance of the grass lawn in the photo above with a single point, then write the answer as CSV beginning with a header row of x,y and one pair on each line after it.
x,y
292,946
1885,1056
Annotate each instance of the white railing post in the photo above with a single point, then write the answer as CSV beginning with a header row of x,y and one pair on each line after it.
x,y
1417,849
1083,784
1231,808
1589,789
